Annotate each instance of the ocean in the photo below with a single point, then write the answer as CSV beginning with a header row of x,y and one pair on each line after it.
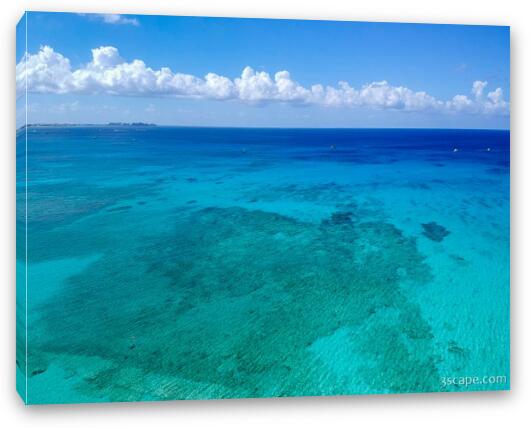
x,y
198,263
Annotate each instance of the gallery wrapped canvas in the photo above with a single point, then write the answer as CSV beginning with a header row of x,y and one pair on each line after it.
x,y
233,208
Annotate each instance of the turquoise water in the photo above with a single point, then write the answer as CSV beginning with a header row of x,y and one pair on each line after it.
x,y
198,263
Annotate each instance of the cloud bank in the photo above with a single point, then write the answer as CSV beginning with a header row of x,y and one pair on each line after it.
x,y
47,71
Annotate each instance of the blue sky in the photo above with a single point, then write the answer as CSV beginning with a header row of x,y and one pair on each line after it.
x,y
397,75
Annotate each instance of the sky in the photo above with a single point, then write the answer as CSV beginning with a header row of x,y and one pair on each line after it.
x,y
196,71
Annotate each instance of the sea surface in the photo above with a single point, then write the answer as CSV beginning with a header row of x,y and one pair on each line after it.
x,y
199,263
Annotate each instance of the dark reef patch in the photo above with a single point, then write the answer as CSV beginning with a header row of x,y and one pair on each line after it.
x,y
326,193
56,207
231,304
461,261
37,372
120,208
339,218
434,231
418,185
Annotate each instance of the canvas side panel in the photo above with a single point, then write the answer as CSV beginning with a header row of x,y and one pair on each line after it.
x,y
21,209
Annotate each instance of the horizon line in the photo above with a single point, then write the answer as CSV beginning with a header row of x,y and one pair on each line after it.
x,y
151,125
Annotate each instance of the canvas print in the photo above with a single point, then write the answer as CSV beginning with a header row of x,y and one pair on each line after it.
x,y
214,208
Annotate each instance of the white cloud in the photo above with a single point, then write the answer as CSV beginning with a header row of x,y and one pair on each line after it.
x,y
379,95
496,96
105,56
459,103
113,18
108,73
477,88
46,71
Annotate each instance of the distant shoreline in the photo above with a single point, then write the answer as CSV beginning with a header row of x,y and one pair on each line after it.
x,y
86,125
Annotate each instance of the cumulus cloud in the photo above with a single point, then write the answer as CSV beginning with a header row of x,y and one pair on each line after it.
x,y
477,88
493,103
47,71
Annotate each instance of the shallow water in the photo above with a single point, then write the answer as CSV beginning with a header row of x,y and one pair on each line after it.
x,y
186,263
